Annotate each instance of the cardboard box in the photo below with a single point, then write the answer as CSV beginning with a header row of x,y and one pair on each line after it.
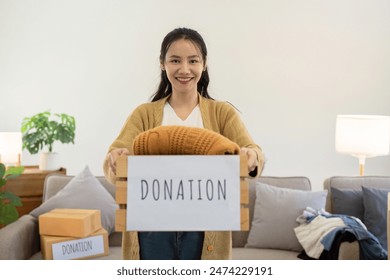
x,y
70,222
69,248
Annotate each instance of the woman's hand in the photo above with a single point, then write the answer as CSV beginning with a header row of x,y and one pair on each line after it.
x,y
252,158
113,156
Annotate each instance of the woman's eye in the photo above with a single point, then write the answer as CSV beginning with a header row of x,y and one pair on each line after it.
x,y
193,61
175,61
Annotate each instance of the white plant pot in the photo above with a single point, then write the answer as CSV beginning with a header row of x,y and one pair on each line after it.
x,y
49,161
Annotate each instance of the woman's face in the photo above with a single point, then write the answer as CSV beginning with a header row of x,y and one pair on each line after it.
x,y
184,66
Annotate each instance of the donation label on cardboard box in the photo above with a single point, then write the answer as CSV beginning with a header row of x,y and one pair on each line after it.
x,y
78,248
183,193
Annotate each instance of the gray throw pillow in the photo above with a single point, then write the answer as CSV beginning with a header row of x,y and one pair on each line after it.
x,y
275,215
348,202
84,191
375,212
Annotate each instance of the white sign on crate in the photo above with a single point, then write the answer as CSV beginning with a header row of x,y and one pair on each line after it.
x,y
183,193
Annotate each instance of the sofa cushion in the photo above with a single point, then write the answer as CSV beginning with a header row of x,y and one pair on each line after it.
x,y
83,191
353,182
263,254
240,238
275,214
375,212
348,202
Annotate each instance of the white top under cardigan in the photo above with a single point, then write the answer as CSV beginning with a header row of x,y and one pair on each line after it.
x,y
194,119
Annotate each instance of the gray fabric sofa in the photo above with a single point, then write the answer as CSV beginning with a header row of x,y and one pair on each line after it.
x,y
20,240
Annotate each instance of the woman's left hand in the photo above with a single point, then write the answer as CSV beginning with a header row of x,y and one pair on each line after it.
x,y
252,158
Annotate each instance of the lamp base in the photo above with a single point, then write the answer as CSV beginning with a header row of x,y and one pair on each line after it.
x,y
361,169
362,160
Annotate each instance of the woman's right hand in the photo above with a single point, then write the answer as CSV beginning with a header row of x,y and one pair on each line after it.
x,y
113,156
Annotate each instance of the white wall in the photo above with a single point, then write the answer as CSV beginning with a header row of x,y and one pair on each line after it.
x,y
289,66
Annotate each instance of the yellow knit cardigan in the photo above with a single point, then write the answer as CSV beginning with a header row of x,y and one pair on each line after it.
x,y
217,116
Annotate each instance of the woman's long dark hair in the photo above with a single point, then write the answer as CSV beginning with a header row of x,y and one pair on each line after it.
x,y
165,87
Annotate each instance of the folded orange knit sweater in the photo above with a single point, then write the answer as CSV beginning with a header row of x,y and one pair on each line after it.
x,y
183,140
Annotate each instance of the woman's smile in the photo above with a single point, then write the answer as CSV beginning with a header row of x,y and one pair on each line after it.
x,y
184,80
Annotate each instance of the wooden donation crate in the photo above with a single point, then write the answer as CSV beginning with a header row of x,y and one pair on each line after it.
x,y
122,196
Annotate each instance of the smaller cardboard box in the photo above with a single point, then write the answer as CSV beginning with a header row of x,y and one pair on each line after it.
x,y
69,248
70,222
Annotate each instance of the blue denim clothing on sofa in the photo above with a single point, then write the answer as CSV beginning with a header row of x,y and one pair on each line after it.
x,y
170,245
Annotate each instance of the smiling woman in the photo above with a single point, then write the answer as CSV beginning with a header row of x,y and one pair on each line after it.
x,y
182,99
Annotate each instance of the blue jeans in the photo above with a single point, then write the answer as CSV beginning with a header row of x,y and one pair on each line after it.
x,y
170,245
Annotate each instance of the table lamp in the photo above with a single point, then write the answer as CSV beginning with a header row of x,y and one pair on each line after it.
x,y
11,148
363,136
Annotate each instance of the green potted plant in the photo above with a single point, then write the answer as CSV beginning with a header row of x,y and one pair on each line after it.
x,y
43,130
8,200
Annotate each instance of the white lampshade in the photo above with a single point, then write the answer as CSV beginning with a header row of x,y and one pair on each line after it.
x,y
363,136
10,148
